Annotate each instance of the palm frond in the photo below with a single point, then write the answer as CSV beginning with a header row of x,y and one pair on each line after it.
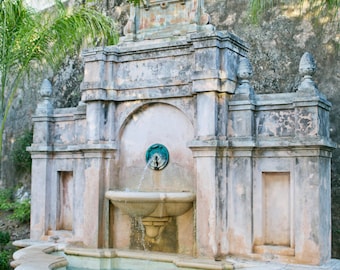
x,y
68,31
28,37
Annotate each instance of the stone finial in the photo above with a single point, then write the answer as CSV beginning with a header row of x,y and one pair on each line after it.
x,y
307,69
244,73
244,70
46,89
45,106
307,65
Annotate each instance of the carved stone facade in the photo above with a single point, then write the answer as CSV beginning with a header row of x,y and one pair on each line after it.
x,y
259,165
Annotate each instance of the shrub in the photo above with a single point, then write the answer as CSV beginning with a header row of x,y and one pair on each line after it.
x,y
6,199
21,211
4,239
20,157
5,257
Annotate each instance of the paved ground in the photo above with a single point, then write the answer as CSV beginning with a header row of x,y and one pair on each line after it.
x,y
252,265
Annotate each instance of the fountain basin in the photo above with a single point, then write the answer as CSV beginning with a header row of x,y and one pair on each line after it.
x,y
151,204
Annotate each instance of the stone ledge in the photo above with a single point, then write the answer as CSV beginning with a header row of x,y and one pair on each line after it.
x,y
37,257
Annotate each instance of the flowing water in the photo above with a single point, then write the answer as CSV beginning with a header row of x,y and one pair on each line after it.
x,y
142,230
141,180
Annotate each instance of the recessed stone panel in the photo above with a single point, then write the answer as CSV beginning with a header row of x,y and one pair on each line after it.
x,y
276,208
65,201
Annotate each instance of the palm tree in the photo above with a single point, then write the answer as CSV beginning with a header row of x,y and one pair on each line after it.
x,y
29,39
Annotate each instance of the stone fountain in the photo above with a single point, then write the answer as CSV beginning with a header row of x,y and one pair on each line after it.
x,y
171,150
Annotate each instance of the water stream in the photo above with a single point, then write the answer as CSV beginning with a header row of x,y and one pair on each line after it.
x,y
142,230
140,219
141,180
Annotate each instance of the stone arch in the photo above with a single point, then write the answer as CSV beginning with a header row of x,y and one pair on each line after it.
x,y
135,108
149,124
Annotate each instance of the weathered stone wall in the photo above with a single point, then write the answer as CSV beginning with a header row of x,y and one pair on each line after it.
x,y
276,46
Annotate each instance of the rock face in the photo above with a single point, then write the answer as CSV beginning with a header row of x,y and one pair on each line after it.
x,y
276,46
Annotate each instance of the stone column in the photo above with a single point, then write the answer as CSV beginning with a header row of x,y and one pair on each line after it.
x,y
94,175
41,166
240,162
98,93
39,194
313,170
313,207
94,118
92,198
216,56
99,146
206,85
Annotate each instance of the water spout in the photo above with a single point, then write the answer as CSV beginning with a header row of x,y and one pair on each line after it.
x,y
157,156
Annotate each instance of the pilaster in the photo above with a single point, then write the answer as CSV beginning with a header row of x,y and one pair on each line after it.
x,y
93,175
241,135
211,198
41,164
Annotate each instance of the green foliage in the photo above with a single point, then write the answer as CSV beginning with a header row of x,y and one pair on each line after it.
x,y
5,257
257,7
318,7
20,157
6,199
30,39
135,2
21,211
69,28
4,238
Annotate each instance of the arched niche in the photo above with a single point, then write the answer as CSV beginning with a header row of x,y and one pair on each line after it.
x,y
156,123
